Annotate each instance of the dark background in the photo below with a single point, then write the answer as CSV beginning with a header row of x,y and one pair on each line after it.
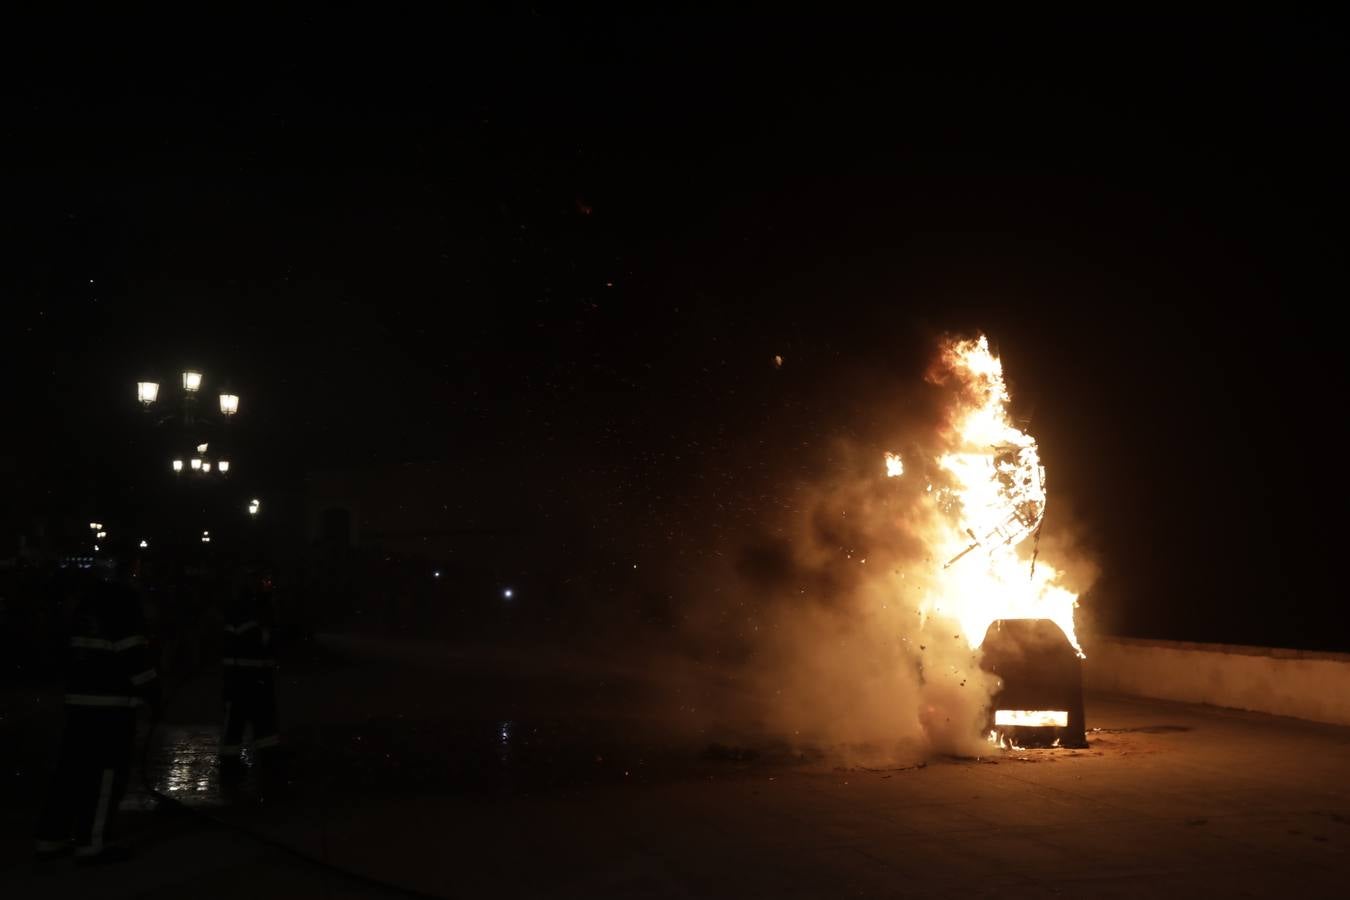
x,y
559,254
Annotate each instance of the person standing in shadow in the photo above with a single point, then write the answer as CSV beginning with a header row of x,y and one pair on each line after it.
x,y
249,676
110,674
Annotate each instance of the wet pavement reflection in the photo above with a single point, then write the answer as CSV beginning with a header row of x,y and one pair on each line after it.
x,y
182,764
393,756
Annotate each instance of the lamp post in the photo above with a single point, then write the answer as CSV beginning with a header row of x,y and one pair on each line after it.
x,y
195,413
193,383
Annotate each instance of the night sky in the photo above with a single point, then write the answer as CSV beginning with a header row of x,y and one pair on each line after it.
x,y
561,255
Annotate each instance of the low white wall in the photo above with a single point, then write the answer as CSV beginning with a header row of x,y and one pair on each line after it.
x,y
1306,685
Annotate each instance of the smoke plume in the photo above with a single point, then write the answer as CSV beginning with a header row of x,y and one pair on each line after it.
x,y
816,624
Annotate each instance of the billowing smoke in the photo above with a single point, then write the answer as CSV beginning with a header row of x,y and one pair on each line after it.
x,y
812,625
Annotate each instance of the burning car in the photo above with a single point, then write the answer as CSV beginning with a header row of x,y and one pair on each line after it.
x,y
1039,702
985,507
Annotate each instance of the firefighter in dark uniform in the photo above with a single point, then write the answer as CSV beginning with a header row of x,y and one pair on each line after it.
x,y
110,674
249,671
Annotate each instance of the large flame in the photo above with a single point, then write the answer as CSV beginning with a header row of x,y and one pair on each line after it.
x,y
989,502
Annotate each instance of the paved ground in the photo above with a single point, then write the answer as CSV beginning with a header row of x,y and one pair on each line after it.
x,y
1168,800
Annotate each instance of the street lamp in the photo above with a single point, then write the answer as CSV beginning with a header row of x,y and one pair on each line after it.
x,y
147,392
253,506
194,429
185,415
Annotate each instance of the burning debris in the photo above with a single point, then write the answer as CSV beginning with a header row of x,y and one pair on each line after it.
x,y
1019,474
993,501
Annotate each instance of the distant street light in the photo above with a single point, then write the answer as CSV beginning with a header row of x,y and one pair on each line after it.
x,y
185,415
508,593
189,422
253,506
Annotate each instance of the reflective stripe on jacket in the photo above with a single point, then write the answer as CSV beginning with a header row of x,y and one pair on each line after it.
x,y
108,656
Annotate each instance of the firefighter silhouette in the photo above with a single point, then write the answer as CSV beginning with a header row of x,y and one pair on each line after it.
x,y
249,670
110,674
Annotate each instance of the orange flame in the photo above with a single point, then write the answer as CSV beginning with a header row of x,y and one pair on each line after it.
x,y
992,502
